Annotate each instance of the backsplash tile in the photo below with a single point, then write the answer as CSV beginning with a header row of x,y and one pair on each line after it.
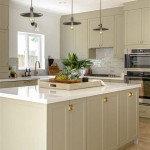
x,y
106,63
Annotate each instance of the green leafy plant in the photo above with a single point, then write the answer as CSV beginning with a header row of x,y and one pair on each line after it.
x,y
72,65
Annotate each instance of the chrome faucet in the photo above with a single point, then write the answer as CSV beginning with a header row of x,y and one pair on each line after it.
x,y
35,71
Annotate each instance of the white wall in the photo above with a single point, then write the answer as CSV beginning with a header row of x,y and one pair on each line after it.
x,y
49,25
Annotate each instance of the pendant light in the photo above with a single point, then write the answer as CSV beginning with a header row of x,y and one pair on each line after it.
x,y
72,22
100,28
31,15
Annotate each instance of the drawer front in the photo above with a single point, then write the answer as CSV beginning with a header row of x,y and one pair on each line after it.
x,y
7,84
144,111
26,83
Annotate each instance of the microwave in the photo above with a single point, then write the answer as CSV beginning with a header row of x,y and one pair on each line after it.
x,y
137,59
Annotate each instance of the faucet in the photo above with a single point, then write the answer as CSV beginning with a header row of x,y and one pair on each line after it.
x,y
35,71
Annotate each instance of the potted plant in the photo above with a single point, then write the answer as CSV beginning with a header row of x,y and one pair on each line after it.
x,y
72,65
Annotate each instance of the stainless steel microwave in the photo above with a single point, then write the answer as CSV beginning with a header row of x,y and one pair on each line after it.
x,y
137,59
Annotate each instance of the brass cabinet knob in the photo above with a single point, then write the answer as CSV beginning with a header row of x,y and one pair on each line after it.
x,y
130,94
105,100
70,107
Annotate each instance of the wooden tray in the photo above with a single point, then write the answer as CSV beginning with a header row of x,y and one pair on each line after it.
x,y
64,81
66,86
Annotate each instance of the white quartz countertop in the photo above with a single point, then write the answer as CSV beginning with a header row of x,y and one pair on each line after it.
x,y
47,96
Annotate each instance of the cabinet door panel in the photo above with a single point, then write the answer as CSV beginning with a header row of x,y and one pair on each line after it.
x,y
94,123
4,17
145,26
4,2
133,27
119,36
81,39
132,114
123,118
58,126
77,124
94,36
108,35
110,121
67,41
3,48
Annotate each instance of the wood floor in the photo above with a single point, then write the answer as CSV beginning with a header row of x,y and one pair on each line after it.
x,y
144,136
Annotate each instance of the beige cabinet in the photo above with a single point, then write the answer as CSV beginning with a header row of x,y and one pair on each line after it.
x,y
4,51
137,27
128,116
102,122
74,41
26,83
4,2
110,121
67,125
4,38
4,17
144,111
94,123
102,40
119,36
8,84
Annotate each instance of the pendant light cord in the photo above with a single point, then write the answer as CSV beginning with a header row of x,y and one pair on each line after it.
x,y
100,13
31,4
72,10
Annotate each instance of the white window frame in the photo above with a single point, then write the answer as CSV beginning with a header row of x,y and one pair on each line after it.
x,y
42,48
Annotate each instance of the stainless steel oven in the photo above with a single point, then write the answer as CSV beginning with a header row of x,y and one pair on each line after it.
x,y
137,59
142,78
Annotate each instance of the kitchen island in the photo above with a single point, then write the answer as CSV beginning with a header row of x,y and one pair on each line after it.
x,y
100,118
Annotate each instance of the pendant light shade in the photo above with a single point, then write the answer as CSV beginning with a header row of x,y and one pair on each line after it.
x,y
100,28
31,14
72,22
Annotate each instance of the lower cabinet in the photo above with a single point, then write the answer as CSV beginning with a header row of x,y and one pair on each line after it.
x,y
102,122
128,116
9,84
67,125
112,120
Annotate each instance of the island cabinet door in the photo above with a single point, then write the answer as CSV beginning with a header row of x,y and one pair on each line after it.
x,y
128,116
66,125
77,124
58,126
110,121
132,97
94,123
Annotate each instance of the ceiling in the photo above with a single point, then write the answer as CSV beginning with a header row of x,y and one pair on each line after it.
x,y
63,7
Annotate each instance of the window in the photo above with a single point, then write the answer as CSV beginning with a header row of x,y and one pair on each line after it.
x,y
30,50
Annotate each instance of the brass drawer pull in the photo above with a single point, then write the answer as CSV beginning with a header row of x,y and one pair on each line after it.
x,y
130,94
70,108
105,100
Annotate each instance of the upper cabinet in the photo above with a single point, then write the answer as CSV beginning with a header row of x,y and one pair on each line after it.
x,y
106,39
74,41
83,38
137,24
4,2
4,38
4,17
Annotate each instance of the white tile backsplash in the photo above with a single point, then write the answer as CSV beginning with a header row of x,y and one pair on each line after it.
x,y
106,63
